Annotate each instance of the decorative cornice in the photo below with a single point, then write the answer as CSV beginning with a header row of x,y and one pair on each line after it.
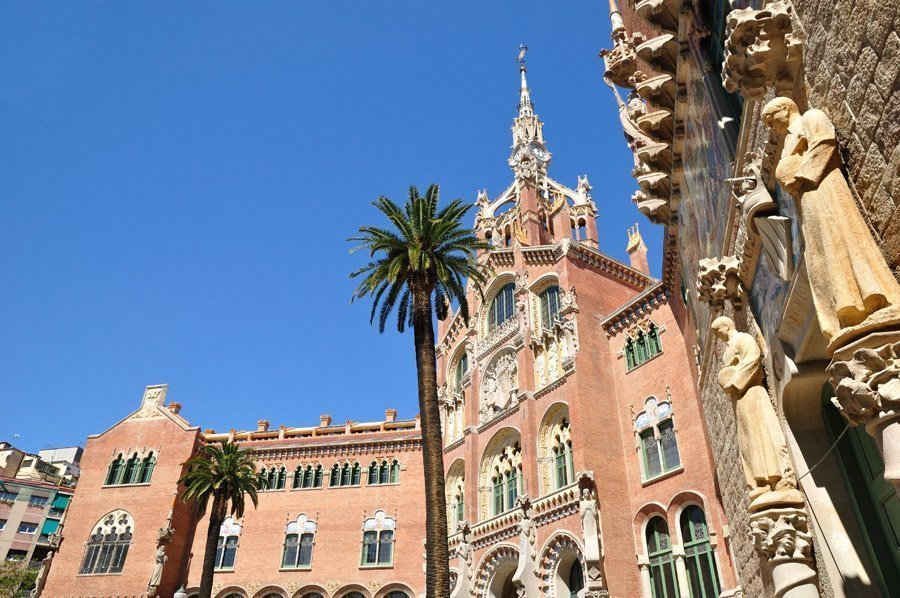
x,y
299,451
606,264
634,310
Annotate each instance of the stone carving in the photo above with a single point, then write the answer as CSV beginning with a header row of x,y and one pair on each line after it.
x,y
500,385
590,530
154,398
719,281
159,562
764,455
865,376
782,536
761,51
522,280
853,289
584,188
525,576
462,588
568,301
41,578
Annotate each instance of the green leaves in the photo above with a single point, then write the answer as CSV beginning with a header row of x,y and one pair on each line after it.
x,y
225,471
428,250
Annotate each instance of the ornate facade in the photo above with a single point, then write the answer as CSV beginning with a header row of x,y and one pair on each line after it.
x,y
782,240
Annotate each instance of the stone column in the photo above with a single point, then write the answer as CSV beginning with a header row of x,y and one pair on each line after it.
x,y
684,588
782,536
646,586
865,375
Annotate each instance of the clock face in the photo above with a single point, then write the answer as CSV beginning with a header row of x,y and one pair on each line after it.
x,y
517,155
539,152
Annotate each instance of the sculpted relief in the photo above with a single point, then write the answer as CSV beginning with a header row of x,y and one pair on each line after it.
x,y
499,386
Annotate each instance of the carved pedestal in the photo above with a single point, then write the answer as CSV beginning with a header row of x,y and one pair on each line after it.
x,y
782,537
866,379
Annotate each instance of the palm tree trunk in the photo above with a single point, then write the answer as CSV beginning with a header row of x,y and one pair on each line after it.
x,y
216,516
437,557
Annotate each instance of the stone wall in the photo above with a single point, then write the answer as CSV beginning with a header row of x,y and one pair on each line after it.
x,y
852,60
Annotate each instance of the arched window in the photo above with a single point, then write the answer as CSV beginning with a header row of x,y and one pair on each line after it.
x,y
384,472
345,475
703,576
280,477
574,231
357,470
353,595
378,541
575,579
662,564
630,355
507,478
132,469
582,229
658,442
335,475
299,539
318,477
107,548
373,473
396,595
459,372
564,465
299,478
503,306
147,465
549,299
642,346
395,472
653,345
226,548
115,471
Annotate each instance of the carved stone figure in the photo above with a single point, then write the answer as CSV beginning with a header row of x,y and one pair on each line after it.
x,y
156,575
590,530
849,281
462,588
718,281
524,578
42,575
501,383
764,454
761,51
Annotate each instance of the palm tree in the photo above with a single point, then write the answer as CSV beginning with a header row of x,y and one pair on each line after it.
x,y
418,267
226,473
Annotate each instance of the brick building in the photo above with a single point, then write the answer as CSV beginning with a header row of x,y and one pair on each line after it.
x,y
740,188
576,459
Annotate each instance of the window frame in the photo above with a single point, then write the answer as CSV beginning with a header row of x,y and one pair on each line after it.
x,y
503,303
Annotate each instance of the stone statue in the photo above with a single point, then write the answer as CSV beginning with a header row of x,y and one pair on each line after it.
x,y
156,576
42,575
848,285
464,563
524,578
589,529
764,455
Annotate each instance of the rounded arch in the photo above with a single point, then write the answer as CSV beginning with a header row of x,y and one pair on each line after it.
x,y
499,281
500,473
499,383
232,592
386,591
308,591
271,591
559,554
643,516
348,590
543,281
554,432
495,569
455,489
680,502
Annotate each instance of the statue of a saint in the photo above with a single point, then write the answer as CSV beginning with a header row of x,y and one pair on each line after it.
x,y
764,454
156,576
589,529
848,278
42,575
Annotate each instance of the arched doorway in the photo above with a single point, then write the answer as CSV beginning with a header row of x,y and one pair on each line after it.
x,y
501,585
495,573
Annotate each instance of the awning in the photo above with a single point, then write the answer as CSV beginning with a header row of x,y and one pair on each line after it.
x,y
50,526
61,501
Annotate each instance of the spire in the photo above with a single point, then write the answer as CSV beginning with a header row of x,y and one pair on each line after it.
x,y
530,156
526,108
615,20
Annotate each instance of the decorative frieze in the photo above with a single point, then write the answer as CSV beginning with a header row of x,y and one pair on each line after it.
x,y
761,51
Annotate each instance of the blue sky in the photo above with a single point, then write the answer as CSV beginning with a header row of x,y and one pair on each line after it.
x,y
177,184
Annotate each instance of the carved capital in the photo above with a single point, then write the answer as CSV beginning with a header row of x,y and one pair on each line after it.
x,y
719,281
761,51
865,376
782,534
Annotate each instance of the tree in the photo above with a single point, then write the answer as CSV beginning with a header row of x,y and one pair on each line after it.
x,y
226,473
16,580
418,267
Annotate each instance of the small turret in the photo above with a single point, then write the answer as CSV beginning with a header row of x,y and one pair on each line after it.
x,y
637,250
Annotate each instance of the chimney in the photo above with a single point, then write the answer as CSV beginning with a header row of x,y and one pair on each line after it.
x,y
390,415
262,425
324,420
637,251
174,407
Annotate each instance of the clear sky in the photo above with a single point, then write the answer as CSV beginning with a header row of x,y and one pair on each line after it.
x,y
178,180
